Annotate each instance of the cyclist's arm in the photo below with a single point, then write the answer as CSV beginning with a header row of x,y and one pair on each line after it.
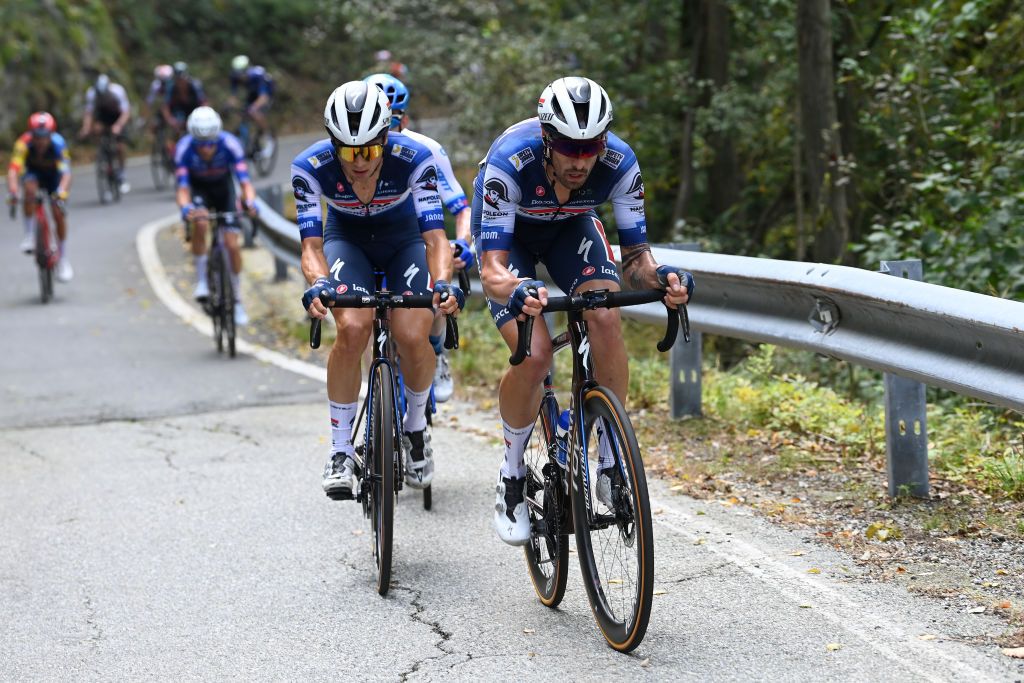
x,y
90,99
183,194
234,148
439,255
462,226
425,198
63,167
261,100
308,213
16,166
126,108
497,279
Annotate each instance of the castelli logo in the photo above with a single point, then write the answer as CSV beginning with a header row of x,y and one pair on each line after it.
x,y
342,288
407,292
341,188
540,191
589,270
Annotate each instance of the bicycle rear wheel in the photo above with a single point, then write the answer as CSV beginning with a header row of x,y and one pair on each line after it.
x,y
215,302
157,162
614,541
102,164
547,551
265,151
380,466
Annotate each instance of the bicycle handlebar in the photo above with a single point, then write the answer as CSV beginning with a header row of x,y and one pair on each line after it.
x,y
385,300
602,298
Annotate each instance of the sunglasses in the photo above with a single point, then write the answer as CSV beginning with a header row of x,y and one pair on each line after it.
x,y
581,149
368,152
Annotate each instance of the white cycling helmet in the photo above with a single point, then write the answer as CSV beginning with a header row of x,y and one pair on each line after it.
x,y
163,72
240,63
575,107
204,123
357,113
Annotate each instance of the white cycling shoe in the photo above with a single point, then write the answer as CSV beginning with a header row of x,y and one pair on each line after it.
x,y
444,386
241,317
339,476
28,244
64,270
202,291
511,521
419,459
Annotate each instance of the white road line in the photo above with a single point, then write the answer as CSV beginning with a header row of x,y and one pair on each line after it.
x,y
891,640
145,243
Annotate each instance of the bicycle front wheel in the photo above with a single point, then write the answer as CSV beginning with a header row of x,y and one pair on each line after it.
x,y
215,303
613,522
44,259
227,308
265,155
547,551
380,465
158,163
102,164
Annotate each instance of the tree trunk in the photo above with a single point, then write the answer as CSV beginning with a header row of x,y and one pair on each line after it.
x,y
821,141
723,186
693,12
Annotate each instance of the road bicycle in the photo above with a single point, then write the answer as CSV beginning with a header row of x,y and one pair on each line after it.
x,y
260,145
380,465
45,247
613,532
161,158
108,169
220,304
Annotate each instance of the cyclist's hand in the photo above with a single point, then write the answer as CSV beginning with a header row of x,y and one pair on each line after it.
x,y
188,213
453,302
60,202
12,201
678,285
529,298
250,208
116,129
311,299
462,255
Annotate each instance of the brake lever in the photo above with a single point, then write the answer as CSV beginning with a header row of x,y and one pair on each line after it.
x,y
451,337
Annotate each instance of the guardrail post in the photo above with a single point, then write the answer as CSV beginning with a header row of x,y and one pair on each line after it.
x,y
906,434
685,363
273,196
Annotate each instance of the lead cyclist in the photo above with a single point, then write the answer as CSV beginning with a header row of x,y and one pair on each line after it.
x,y
534,201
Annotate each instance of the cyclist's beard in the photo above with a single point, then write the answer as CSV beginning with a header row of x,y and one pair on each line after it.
x,y
565,182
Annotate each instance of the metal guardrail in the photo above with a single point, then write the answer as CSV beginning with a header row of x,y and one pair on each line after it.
x,y
969,343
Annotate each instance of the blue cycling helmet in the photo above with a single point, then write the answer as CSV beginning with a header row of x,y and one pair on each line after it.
x,y
398,94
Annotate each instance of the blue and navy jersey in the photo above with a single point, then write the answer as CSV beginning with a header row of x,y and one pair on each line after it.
x,y
452,196
229,157
406,187
255,80
193,97
514,186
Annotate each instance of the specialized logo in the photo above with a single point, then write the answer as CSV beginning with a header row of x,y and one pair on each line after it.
x,y
428,179
410,273
495,191
301,188
381,338
589,270
403,152
612,158
636,186
336,269
585,350
540,191
521,158
547,116
584,249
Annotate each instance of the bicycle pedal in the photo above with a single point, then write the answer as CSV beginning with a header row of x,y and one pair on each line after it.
x,y
339,495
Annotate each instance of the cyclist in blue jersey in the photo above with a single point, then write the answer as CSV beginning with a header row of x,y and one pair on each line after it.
x,y
184,95
534,201
205,161
383,212
258,89
453,198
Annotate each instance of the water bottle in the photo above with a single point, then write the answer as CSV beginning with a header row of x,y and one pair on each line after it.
x,y
562,437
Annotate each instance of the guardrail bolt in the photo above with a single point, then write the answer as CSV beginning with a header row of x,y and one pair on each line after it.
x,y
824,317
906,433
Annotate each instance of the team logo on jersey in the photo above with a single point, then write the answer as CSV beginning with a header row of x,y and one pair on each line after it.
x,y
612,158
495,191
403,152
521,158
341,289
428,179
340,187
589,270
540,191
636,186
300,188
319,159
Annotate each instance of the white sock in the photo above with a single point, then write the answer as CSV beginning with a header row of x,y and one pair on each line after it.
x,y
235,286
415,409
29,224
343,415
515,447
60,247
200,264
604,447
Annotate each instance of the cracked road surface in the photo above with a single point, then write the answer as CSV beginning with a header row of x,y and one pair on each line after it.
x,y
161,518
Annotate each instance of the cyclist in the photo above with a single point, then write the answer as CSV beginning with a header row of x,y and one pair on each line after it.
x,y
205,160
107,109
184,95
162,75
41,161
258,86
534,200
383,212
454,200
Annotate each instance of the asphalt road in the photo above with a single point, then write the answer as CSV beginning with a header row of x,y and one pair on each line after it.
x,y
161,518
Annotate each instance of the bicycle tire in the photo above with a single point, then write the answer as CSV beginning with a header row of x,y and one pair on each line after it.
x,y
101,175
265,164
547,550
380,468
214,303
157,163
44,261
227,308
620,596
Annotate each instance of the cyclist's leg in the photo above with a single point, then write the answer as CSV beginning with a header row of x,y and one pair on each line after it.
x,y
49,183
198,231
30,189
582,260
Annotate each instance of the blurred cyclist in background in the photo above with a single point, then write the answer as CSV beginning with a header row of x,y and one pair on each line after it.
x,y
453,198
107,109
162,75
184,95
258,88
40,160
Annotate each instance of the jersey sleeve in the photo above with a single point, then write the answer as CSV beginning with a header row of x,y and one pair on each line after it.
x,y
448,186
90,100
18,155
423,185
200,93
309,215
63,154
627,198
234,147
181,155
501,196
122,97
